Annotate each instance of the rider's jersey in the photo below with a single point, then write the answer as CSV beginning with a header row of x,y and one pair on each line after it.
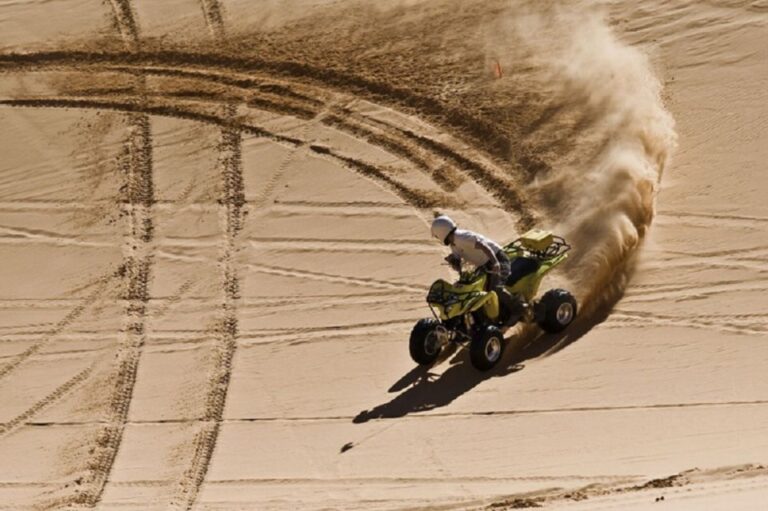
x,y
464,247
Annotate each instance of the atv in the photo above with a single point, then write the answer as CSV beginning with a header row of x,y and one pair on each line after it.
x,y
467,315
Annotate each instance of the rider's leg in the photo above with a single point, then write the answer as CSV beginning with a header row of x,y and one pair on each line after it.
x,y
521,267
512,304
495,282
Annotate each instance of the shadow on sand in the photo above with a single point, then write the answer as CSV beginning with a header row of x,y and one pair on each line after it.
x,y
424,390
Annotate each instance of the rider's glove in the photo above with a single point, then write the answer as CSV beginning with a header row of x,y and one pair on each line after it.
x,y
496,268
454,262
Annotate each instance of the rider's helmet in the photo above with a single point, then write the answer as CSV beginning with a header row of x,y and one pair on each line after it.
x,y
442,226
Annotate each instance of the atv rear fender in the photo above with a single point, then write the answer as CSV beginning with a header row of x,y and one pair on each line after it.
x,y
528,286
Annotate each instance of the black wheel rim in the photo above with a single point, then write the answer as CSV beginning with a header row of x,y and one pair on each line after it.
x,y
430,343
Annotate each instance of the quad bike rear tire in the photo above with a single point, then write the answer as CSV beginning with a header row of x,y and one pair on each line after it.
x,y
486,348
423,345
559,310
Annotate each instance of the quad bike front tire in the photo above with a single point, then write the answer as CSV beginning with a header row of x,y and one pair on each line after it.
x,y
423,344
559,310
486,348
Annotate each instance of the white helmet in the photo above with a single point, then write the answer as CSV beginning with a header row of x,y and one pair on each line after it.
x,y
442,226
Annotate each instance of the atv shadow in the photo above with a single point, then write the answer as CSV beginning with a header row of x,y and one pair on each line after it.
x,y
426,391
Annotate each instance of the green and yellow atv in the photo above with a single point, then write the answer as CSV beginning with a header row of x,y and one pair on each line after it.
x,y
465,314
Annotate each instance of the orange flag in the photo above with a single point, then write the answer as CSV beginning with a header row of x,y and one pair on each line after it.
x,y
497,70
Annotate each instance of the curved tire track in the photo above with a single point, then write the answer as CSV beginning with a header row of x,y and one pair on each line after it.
x,y
282,99
498,183
456,120
419,199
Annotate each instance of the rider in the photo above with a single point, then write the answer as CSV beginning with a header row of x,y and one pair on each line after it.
x,y
481,252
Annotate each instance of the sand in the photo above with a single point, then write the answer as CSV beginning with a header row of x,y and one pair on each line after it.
x,y
214,234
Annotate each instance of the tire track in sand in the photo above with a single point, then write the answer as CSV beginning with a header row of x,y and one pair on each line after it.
x,y
445,176
149,108
506,189
453,119
342,279
125,22
233,204
58,393
232,211
269,188
744,324
418,198
137,197
66,321
138,261
213,18
436,161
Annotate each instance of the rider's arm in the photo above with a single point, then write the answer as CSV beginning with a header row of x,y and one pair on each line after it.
x,y
489,253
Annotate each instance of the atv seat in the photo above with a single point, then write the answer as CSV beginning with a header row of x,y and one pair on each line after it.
x,y
521,267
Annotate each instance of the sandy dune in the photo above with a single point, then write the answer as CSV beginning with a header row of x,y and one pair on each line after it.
x,y
214,233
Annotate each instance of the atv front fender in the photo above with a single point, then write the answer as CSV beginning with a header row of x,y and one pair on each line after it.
x,y
471,303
